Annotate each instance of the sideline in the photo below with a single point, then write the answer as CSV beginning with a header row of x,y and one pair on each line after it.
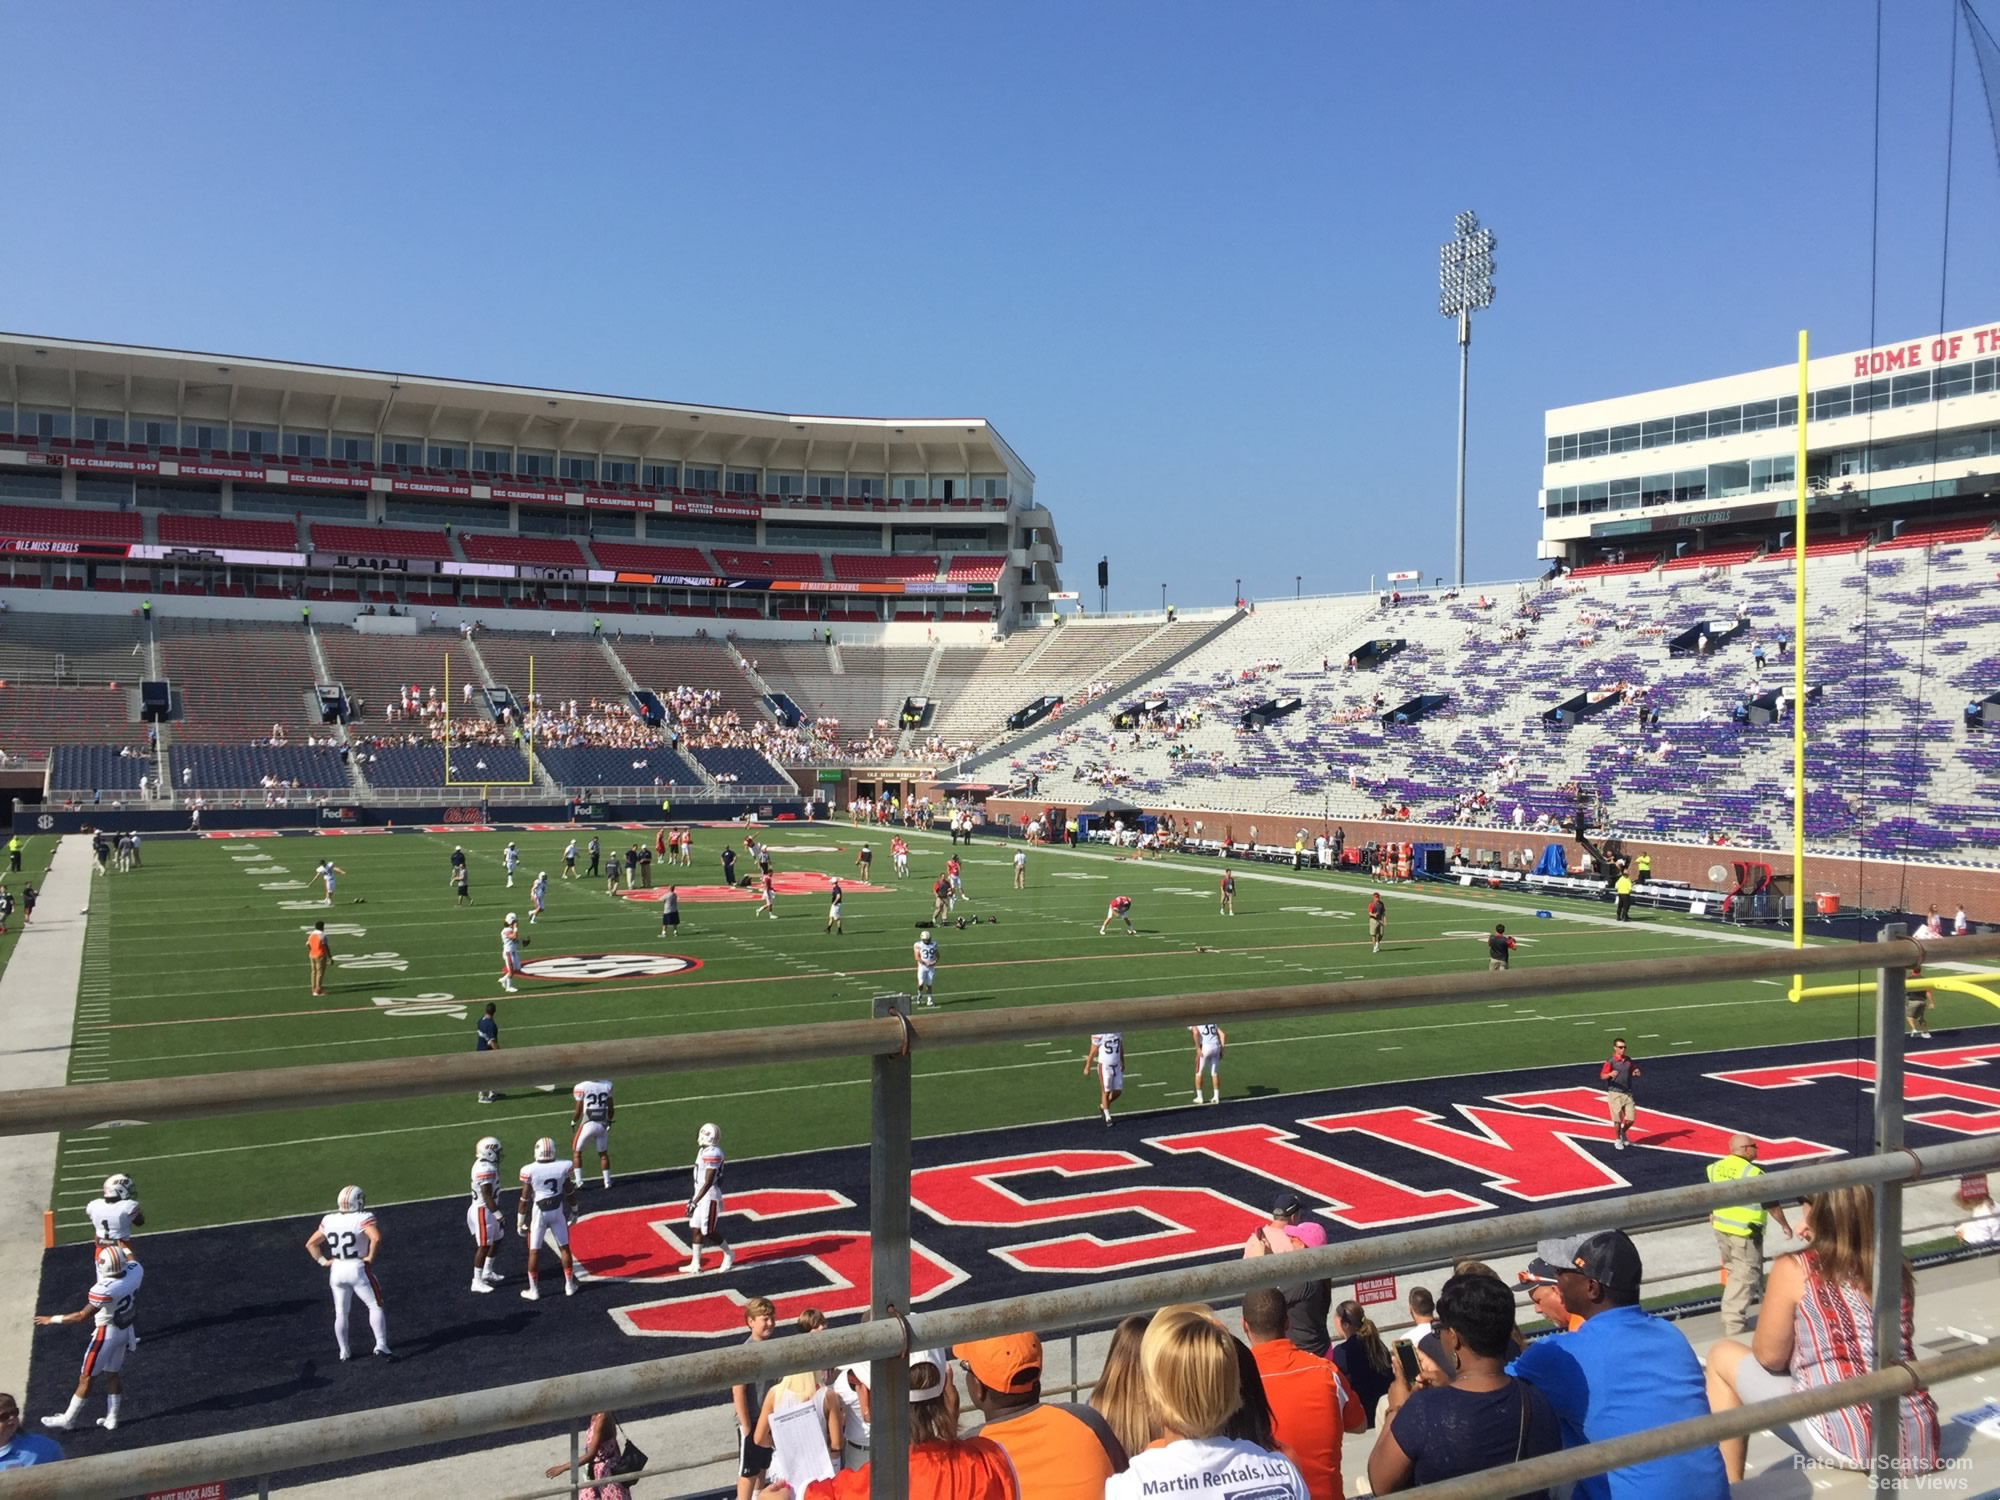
x,y
38,995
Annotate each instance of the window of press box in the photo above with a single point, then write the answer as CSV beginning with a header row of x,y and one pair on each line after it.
x,y
405,453
259,442
100,427
576,466
660,476
535,463
446,456
152,432
486,460
353,448
703,481
744,482
1725,421
618,471
306,445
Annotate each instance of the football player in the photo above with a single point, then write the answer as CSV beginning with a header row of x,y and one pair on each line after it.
x,y
548,1190
482,1215
113,1303
953,873
1228,893
705,1206
924,949
510,857
537,894
510,952
767,899
346,1243
900,852
1120,911
591,1123
117,1213
1107,1051
569,860
1209,1040
326,871
833,911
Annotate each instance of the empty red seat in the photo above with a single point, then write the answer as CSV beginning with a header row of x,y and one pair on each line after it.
x,y
72,524
535,551
645,558
850,567
380,541
739,563
228,531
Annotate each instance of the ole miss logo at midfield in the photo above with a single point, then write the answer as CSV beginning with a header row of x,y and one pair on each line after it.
x,y
1006,1212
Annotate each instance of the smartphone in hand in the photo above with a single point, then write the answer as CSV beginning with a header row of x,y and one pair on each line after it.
x,y
1406,1361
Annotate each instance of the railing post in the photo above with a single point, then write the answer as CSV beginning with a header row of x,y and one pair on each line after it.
x,y
1885,1443
889,1258
575,1461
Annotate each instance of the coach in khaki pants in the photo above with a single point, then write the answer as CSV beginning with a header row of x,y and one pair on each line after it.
x,y
1739,1235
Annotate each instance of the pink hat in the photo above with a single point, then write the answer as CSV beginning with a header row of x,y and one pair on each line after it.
x,y
1311,1235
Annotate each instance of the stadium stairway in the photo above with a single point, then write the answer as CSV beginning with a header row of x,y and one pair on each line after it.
x,y
906,741
354,777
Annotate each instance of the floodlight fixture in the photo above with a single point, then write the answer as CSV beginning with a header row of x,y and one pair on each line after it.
x,y
1465,286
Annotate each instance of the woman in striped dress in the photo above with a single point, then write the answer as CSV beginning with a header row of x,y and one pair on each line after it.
x,y
1817,1326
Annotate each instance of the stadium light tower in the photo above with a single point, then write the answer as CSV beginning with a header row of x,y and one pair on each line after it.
x,y
1465,285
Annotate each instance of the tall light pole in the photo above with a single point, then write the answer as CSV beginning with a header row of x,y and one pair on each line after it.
x,y
1465,285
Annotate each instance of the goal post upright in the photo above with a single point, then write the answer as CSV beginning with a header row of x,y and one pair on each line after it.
x,y
1799,674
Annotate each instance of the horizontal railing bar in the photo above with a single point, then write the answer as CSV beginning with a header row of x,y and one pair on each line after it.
x,y
352,1435
1890,1383
196,1096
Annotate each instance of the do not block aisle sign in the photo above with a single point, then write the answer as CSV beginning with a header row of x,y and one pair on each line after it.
x,y
1373,1289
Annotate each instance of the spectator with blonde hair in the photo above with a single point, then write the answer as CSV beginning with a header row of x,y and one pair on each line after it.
x,y
1816,1327
1195,1386
1120,1393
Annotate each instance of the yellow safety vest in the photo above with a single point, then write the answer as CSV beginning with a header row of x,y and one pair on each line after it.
x,y
1743,1219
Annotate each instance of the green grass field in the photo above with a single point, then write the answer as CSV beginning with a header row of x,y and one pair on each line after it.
x,y
208,974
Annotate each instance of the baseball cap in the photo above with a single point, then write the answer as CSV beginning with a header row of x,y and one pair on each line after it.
x,y
1288,1203
1552,1257
935,1359
1010,1363
1612,1260
1308,1234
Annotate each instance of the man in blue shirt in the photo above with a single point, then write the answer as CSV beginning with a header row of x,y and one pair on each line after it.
x,y
487,1039
1623,1371
18,1449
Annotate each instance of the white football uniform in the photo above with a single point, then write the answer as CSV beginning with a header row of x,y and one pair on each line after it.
x,y
326,876
546,1182
482,1223
926,956
112,1219
1208,1037
594,1129
705,1210
115,1299
1110,1058
510,949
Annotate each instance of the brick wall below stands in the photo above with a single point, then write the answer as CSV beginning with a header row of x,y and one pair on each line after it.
x,y
1870,884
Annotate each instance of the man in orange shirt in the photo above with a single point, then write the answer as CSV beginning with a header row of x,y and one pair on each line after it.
x,y
317,953
1311,1401
1061,1452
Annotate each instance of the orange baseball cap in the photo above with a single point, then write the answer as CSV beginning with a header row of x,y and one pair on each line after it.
x,y
1011,1363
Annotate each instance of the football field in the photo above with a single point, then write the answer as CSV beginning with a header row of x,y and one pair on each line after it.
x,y
206,956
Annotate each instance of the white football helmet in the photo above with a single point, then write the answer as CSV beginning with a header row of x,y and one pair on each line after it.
x,y
351,1200
544,875
545,1149
709,1135
112,1261
924,936
118,1187
512,919
488,1149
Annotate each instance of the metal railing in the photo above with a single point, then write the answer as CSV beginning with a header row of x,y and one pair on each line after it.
x,y
893,1329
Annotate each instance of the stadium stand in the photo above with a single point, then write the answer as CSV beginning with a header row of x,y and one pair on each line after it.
x,y
595,766
380,541
403,767
33,719
738,563
245,767
376,668
566,666
969,568
72,523
871,687
534,551
687,561
1612,569
874,567
686,661
235,679
733,763
1892,659
54,648
84,769
1714,557
1938,534
178,530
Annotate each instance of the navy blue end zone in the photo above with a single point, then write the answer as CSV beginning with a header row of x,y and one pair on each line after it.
x,y
236,1322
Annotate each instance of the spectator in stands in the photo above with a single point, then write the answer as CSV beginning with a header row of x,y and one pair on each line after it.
x,y
1362,1357
1423,1312
1061,1451
1976,1198
1194,1386
941,1461
1817,1327
1478,1417
1251,1421
596,1454
18,1449
1120,1393
1311,1402
1623,1371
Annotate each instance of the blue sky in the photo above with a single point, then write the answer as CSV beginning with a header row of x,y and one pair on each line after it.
x,y
1183,257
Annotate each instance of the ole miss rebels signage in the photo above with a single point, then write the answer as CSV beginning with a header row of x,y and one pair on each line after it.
x,y
996,1213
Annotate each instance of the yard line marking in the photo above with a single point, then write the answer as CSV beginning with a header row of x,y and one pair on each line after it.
x,y
1778,982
